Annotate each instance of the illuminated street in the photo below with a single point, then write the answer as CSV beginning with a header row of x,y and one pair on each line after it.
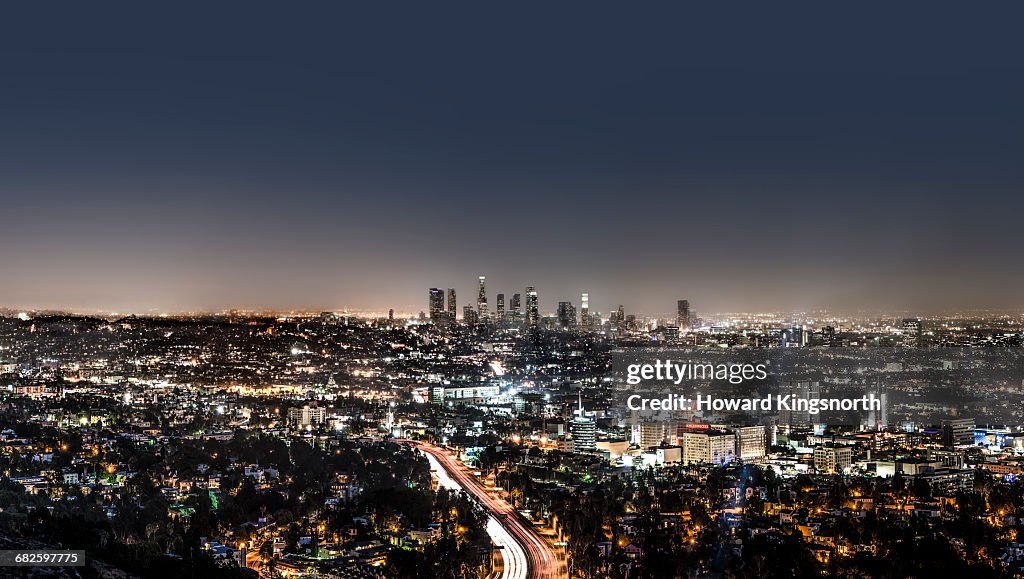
x,y
525,553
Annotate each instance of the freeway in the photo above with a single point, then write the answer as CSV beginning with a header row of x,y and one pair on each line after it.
x,y
525,553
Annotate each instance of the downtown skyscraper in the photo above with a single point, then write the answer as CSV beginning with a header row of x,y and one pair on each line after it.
x,y
436,305
683,315
585,311
566,315
532,310
481,301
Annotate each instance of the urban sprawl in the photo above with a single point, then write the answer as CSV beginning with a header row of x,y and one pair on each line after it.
x,y
494,443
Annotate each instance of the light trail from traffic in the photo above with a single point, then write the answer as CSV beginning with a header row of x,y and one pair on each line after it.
x,y
524,552
514,565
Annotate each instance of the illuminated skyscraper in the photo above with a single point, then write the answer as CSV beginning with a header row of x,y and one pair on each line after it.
x,y
436,305
500,312
481,301
583,429
532,311
585,311
451,305
683,315
514,307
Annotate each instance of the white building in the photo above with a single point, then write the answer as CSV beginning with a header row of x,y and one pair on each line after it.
x,y
832,459
709,447
751,443
307,416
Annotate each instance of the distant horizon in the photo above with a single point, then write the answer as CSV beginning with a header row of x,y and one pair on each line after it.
x,y
865,313
776,162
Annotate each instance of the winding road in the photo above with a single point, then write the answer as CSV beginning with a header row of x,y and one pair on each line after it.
x,y
525,554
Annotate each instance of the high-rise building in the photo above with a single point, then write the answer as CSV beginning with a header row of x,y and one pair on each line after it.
x,y
481,301
683,315
878,419
566,315
500,304
436,305
469,315
583,430
532,310
620,318
452,311
515,306
585,311
911,332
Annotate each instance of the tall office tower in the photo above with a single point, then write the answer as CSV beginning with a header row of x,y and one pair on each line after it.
x,y
583,430
451,305
469,315
683,315
500,313
481,301
532,311
911,332
436,305
620,318
515,306
566,315
798,389
585,311
391,315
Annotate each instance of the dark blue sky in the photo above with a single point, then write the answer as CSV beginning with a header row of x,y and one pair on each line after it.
x,y
263,156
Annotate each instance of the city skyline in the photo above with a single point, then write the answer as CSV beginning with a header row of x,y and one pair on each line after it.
x,y
275,447
580,291
272,162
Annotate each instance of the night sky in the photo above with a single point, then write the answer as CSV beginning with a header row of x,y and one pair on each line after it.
x,y
843,156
